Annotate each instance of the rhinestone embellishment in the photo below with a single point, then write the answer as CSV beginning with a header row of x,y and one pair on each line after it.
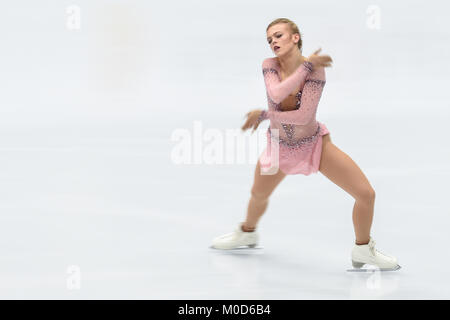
x,y
297,143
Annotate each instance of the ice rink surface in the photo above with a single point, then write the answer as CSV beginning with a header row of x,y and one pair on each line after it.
x,y
93,205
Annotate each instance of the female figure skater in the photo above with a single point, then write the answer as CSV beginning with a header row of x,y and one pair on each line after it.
x,y
294,86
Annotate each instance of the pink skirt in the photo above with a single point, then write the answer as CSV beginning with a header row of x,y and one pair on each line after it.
x,y
302,159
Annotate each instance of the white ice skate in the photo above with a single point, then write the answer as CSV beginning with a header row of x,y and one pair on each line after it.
x,y
366,254
237,239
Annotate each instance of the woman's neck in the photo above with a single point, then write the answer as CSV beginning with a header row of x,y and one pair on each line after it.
x,y
291,62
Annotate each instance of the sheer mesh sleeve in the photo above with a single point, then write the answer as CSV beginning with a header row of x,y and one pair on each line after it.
x,y
311,93
278,90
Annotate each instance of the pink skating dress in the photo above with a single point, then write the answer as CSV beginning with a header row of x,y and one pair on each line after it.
x,y
300,134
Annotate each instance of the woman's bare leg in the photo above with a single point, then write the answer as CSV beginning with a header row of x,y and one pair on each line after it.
x,y
344,172
263,187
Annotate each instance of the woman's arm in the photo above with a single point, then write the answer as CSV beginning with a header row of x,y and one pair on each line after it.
x,y
279,90
311,93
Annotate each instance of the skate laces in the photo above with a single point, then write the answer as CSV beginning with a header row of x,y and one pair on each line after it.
x,y
233,235
228,235
373,250
372,246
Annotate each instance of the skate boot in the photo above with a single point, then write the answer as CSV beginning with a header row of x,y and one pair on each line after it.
x,y
236,239
367,254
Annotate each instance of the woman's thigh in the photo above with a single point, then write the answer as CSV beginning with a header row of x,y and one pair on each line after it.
x,y
265,184
337,166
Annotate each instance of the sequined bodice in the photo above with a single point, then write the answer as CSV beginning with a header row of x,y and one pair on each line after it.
x,y
289,129
299,125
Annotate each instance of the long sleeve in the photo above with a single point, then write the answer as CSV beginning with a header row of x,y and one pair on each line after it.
x,y
278,90
311,93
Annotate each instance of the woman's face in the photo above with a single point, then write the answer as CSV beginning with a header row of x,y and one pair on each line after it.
x,y
280,39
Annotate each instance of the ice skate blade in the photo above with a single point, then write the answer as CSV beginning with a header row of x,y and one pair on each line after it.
x,y
249,248
374,269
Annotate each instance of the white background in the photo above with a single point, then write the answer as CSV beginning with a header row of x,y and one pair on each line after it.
x,y
87,178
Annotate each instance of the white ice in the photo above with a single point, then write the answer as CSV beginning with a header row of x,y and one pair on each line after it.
x,y
92,205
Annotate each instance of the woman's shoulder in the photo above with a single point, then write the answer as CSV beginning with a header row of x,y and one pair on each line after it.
x,y
269,62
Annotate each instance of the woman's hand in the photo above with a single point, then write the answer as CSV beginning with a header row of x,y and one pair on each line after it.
x,y
319,60
253,120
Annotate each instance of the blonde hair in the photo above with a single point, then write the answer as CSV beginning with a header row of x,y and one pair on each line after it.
x,y
292,26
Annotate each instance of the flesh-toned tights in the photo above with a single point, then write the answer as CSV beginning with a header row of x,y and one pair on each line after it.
x,y
338,167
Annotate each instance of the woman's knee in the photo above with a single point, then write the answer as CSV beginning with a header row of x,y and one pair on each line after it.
x,y
366,194
259,195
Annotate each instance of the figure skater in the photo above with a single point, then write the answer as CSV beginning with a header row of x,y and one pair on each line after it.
x,y
294,85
